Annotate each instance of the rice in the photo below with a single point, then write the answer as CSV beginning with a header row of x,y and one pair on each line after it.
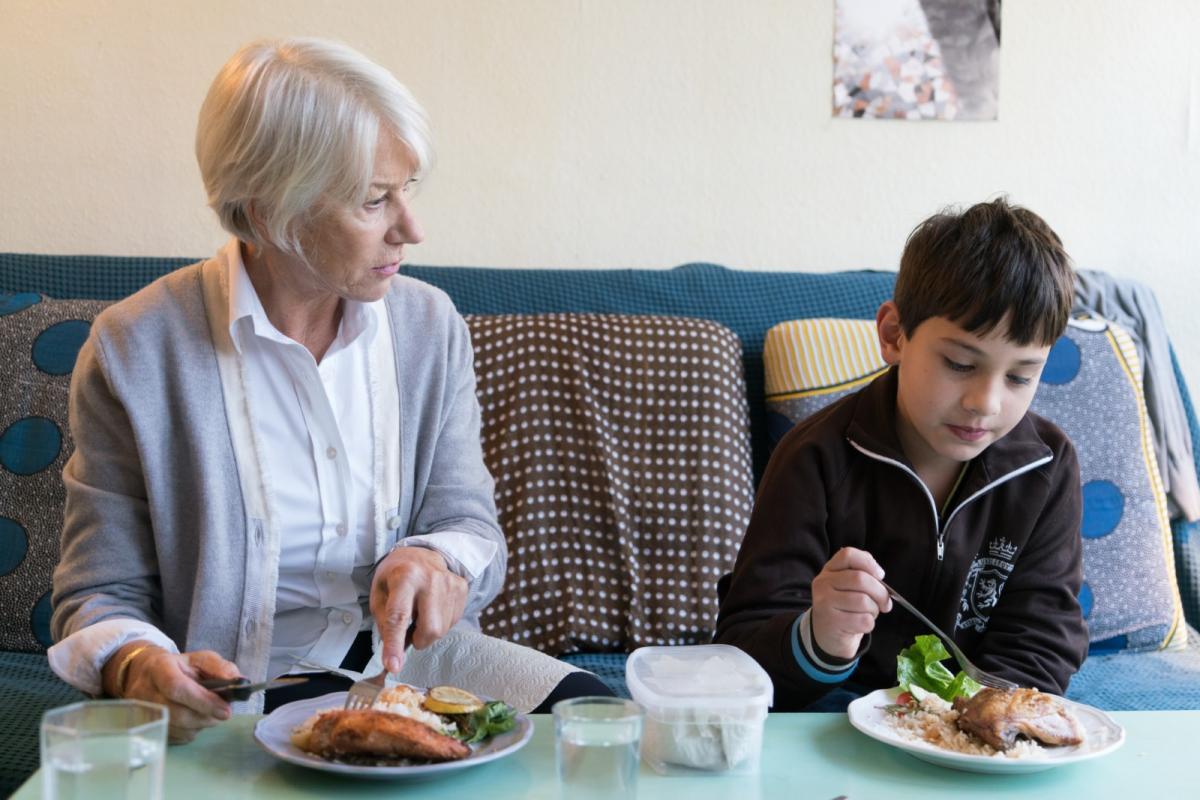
x,y
933,720
406,701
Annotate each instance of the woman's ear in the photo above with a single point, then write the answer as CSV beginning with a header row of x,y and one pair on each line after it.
x,y
254,217
891,334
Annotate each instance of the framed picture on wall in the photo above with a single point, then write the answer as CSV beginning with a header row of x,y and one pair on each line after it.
x,y
916,59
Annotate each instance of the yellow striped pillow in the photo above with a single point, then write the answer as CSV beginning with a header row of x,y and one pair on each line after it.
x,y
809,363
819,356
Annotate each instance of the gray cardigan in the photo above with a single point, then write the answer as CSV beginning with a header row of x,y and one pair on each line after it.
x,y
156,527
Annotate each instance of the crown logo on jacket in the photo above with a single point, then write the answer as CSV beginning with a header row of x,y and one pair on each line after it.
x,y
1002,548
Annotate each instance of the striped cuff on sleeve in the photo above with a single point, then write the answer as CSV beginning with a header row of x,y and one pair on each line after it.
x,y
804,653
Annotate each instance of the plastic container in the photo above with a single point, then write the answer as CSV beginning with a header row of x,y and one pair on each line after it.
x,y
705,708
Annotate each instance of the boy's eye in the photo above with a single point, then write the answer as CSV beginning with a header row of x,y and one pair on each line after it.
x,y
1019,380
956,366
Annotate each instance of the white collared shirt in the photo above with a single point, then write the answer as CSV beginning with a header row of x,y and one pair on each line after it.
x,y
318,454
316,425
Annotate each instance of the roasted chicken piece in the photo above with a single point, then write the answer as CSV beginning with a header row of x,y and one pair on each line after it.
x,y
379,734
999,716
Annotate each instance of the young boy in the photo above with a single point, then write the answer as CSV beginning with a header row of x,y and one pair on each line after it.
x,y
935,475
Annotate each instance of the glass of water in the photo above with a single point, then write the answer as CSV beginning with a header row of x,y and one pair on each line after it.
x,y
102,749
596,745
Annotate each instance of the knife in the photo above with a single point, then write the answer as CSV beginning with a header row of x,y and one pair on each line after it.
x,y
242,688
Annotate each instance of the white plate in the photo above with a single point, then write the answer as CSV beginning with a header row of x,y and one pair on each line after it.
x,y
274,733
1102,735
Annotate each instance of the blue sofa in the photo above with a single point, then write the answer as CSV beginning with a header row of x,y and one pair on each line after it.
x,y
749,303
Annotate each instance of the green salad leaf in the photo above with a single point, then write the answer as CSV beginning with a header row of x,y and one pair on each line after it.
x,y
921,665
495,717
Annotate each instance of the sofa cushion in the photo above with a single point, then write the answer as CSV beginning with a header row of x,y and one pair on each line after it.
x,y
39,339
1091,388
82,277
619,446
1167,680
608,667
28,689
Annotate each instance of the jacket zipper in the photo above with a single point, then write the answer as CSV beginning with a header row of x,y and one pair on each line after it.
x,y
941,540
941,528
1002,479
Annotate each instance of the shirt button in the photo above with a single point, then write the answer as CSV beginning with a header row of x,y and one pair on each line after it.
x,y
330,575
341,529
331,452
347,617
394,523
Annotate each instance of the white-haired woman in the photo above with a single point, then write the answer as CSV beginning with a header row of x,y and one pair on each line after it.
x,y
279,445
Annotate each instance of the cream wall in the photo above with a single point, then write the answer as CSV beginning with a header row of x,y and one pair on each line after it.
x,y
643,133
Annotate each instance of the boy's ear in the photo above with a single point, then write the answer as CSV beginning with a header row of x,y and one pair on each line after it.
x,y
891,334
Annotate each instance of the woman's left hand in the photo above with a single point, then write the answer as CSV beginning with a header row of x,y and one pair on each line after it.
x,y
413,586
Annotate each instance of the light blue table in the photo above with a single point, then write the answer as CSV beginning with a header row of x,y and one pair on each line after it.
x,y
816,756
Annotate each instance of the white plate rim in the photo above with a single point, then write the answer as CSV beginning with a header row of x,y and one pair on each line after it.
x,y
866,715
273,734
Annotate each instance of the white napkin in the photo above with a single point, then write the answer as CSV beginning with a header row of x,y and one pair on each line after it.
x,y
520,676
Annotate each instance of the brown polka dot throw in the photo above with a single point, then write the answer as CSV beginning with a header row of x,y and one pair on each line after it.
x,y
620,449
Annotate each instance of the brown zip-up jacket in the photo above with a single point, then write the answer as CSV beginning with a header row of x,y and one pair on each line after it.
x,y
1001,570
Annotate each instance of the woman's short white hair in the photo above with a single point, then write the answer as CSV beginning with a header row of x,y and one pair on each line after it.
x,y
290,125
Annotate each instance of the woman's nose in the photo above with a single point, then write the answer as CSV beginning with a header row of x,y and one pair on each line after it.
x,y
406,229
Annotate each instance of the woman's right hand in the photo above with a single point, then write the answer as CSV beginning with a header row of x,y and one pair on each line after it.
x,y
159,676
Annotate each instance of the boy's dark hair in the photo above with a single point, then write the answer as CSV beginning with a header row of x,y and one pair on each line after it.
x,y
983,265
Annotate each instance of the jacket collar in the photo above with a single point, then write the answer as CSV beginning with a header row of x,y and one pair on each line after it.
x,y
873,427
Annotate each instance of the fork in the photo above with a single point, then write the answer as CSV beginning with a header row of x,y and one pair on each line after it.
x,y
364,692
973,672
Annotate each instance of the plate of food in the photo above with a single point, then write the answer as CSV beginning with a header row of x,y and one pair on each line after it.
x,y
408,733
956,723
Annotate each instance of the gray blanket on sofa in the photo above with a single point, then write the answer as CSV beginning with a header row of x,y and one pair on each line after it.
x,y
1132,305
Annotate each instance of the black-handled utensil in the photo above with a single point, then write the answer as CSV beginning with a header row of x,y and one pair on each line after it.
x,y
242,688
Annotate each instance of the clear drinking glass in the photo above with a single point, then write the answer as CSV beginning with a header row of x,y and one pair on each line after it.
x,y
596,745
102,749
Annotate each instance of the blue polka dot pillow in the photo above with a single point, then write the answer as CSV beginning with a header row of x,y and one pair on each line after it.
x,y
39,339
1092,389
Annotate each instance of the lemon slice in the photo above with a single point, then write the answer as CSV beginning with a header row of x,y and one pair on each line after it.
x,y
451,700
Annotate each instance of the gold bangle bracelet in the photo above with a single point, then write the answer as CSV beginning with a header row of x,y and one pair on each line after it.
x,y
123,668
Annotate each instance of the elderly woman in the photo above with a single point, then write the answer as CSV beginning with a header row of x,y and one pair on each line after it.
x,y
279,445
